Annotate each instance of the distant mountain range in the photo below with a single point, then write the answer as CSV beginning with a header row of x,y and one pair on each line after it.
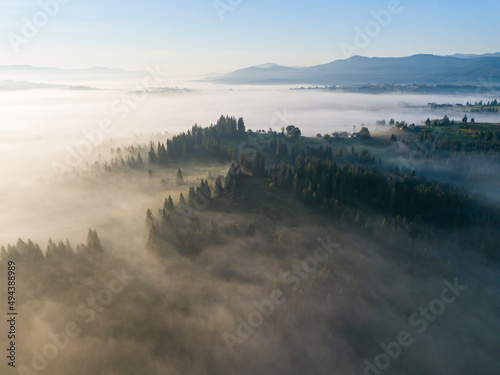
x,y
419,69
96,69
468,56
9,85
27,77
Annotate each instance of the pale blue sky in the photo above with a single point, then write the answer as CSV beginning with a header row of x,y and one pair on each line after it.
x,y
189,35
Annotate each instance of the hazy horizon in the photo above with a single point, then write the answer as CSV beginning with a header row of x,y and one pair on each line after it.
x,y
222,36
264,62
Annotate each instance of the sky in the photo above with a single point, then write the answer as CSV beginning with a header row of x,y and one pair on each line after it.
x,y
205,36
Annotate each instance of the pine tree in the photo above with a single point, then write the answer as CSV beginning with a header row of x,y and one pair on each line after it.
x,y
149,218
140,163
232,125
258,165
152,244
168,204
191,195
205,189
51,249
241,126
34,255
295,183
446,120
152,155
13,254
162,156
179,180
219,190
93,242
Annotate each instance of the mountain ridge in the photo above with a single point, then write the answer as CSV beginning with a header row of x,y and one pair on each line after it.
x,y
420,68
75,70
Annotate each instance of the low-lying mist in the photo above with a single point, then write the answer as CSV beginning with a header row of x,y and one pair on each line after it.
x,y
45,131
199,315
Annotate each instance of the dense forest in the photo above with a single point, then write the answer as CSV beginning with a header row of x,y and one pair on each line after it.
x,y
349,186
219,243
372,196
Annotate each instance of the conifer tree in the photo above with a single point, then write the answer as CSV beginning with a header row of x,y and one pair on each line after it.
x,y
179,178
218,190
152,155
93,242
241,126
152,244
149,218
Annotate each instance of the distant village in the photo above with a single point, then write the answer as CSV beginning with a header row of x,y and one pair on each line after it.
x,y
292,131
